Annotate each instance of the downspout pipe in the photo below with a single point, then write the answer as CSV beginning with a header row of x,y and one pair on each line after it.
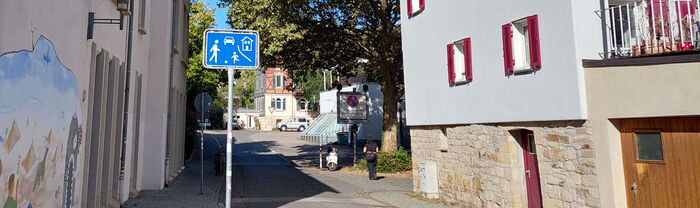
x,y
125,122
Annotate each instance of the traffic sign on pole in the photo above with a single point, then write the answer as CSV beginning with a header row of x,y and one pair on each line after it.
x,y
231,49
352,107
203,102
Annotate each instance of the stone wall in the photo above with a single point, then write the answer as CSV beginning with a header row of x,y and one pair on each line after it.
x,y
482,165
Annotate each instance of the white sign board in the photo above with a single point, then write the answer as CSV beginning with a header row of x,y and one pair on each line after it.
x,y
352,107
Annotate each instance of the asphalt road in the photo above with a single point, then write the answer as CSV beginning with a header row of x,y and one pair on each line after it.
x,y
266,174
265,178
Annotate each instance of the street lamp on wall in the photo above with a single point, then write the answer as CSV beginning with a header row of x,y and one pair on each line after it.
x,y
122,7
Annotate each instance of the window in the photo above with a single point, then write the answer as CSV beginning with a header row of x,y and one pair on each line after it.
x,y
301,105
414,6
521,45
302,119
142,16
279,81
278,104
459,62
649,146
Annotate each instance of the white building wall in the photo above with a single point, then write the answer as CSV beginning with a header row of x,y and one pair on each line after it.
x,y
63,24
329,104
555,92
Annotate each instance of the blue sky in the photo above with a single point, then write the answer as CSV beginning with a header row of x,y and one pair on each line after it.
x,y
219,14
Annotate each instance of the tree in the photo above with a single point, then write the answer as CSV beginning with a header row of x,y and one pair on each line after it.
x,y
306,36
200,79
245,87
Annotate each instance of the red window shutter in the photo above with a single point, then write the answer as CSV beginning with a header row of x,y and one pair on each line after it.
x,y
450,64
410,7
533,29
507,49
421,3
468,59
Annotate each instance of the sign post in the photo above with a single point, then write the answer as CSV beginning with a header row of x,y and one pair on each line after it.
x,y
230,50
352,109
202,103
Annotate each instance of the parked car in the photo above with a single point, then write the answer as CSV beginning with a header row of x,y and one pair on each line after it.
x,y
298,123
235,125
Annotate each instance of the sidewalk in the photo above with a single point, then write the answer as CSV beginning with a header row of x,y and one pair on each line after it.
x,y
184,192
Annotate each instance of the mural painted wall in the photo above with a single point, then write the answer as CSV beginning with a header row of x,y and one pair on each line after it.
x,y
40,129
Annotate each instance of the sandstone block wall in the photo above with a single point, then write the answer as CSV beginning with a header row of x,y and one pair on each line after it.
x,y
482,165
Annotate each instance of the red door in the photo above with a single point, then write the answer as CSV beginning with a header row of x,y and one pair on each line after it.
x,y
532,174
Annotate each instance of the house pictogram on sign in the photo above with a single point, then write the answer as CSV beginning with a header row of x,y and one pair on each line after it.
x,y
247,44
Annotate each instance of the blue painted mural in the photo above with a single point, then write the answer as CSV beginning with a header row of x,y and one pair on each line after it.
x,y
40,127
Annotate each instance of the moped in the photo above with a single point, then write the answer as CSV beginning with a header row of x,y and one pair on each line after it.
x,y
332,159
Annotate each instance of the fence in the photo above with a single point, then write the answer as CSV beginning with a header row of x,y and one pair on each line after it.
x,y
650,27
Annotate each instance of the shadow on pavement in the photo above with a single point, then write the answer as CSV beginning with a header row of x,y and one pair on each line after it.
x,y
262,178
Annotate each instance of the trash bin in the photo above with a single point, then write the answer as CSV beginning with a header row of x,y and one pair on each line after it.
x,y
343,138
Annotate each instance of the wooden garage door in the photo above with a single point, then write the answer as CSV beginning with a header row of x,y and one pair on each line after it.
x,y
661,158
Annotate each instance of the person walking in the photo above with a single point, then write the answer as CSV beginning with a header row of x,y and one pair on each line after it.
x,y
371,149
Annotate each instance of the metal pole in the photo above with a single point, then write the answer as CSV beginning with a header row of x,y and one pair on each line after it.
x,y
680,24
690,23
229,138
614,34
354,143
324,80
320,155
201,148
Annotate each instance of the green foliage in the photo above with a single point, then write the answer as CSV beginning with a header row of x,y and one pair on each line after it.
x,y
390,162
200,79
395,161
312,86
245,87
307,36
216,116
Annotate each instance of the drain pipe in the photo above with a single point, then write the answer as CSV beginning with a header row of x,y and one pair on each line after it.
x,y
126,91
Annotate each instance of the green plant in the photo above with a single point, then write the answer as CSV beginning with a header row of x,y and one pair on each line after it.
x,y
257,123
389,162
393,162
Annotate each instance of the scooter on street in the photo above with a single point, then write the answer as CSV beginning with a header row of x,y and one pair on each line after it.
x,y
332,159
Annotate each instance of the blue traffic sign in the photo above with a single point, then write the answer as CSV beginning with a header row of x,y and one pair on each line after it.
x,y
230,49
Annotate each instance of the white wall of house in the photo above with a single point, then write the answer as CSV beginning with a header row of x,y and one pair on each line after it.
x,y
555,92
271,113
64,24
156,98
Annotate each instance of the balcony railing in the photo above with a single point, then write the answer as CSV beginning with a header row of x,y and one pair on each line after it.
x,y
650,27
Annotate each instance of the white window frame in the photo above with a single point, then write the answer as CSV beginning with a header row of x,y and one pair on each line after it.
x,y
142,17
278,104
302,104
279,81
520,41
458,62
